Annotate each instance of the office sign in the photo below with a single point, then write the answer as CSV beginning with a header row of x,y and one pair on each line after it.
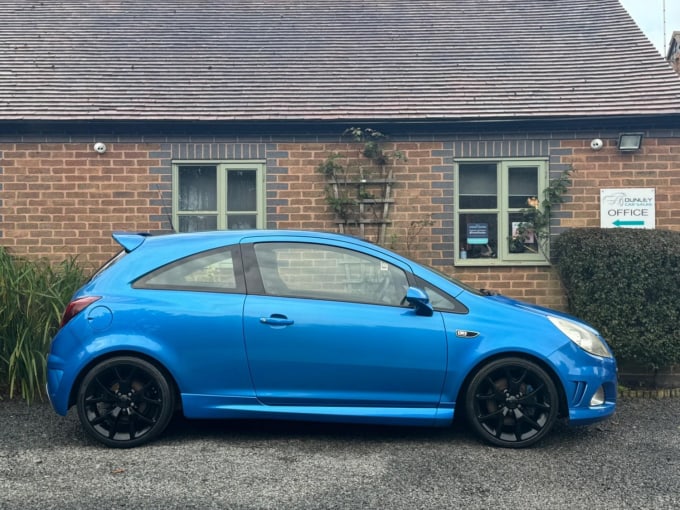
x,y
627,208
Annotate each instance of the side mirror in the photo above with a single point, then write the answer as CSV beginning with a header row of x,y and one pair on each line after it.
x,y
418,299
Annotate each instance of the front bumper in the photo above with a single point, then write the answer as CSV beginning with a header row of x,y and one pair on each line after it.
x,y
582,376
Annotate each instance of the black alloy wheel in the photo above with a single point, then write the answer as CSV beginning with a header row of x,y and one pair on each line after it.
x,y
125,402
511,402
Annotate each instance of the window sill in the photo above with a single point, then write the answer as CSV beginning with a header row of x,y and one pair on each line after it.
x,y
497,263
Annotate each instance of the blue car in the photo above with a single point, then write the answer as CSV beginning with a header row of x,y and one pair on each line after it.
x,y
313,326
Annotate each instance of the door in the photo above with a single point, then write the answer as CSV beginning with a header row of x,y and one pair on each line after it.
x,y
328,329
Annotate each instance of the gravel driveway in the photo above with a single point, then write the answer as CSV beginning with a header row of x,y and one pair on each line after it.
x,y
630,461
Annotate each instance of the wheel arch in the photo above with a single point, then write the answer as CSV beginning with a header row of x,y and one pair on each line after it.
x,y
563,409
114,354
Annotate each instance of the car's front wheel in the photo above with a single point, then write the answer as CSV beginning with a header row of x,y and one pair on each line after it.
x,y
125,402
511,402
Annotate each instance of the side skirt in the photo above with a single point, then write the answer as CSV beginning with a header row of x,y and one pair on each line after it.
x,y
221,407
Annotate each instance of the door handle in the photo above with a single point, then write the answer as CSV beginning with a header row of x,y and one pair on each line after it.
x,y
277,320
464,333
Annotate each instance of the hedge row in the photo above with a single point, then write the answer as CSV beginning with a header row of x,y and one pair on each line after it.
x,y
626,283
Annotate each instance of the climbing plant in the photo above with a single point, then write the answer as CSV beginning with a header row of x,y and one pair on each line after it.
x,y
535,217
358,186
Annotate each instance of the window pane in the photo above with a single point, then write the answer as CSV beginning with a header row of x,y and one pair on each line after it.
x,y
521,236
478,235
241,190
241,221
323,272
197,223
477,185
522,185
441,301
197,188
206,271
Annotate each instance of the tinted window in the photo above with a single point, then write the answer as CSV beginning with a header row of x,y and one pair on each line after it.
x,y
440,300
215,271
327,272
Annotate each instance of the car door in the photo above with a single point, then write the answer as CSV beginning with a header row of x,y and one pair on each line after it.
x,y
324,326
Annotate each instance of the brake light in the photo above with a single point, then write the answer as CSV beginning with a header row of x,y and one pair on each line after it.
x,y
76,306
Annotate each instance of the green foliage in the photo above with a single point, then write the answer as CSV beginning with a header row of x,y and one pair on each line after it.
x,y
337,192
625,282
33,295
536,216
331,168
372,145
343,173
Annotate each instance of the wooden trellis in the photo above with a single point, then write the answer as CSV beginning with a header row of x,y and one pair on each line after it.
x,y
369,210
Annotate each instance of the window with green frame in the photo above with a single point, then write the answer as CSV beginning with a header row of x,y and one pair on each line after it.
x,y
212,195
489,199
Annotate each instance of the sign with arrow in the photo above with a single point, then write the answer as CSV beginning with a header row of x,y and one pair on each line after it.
x,y
627,208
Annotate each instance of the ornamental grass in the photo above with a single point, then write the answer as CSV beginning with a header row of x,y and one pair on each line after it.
x,y
33,295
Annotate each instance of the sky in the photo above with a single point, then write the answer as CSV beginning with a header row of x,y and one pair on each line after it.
x,y
648,14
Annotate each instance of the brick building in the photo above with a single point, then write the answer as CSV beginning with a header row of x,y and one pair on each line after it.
x,y
218,114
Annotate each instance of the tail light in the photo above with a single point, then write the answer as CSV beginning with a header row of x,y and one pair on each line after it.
x,y
76,306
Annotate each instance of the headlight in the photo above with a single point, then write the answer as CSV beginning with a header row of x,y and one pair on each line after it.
x,y
584,338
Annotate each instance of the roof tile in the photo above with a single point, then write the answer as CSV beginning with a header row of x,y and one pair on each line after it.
x,y
327,60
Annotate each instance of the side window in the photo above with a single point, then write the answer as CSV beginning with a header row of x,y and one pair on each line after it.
x,y
440,300
212,271
325,272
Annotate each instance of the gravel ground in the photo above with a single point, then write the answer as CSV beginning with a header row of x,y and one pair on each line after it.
x,y
630,461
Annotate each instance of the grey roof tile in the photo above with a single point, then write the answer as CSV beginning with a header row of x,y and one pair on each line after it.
x,y
327,60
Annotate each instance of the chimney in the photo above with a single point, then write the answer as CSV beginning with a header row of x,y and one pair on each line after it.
x,y
673,55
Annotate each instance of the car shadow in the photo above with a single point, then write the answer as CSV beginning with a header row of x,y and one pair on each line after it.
x,y
256,431
182,429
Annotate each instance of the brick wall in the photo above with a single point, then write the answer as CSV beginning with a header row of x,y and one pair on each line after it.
x,y
61,199
656,165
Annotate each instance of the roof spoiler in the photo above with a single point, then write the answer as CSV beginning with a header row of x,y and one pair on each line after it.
x,y
128,240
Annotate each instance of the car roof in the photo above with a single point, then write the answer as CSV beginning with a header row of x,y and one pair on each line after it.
x,y
130,241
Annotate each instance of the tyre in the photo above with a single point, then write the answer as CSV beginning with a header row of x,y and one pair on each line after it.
x,y
511,402
125,402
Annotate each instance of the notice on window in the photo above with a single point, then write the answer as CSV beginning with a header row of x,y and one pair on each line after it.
x,y
477,233
627,208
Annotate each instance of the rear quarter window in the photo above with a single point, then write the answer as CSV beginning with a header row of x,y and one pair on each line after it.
x,y
212,271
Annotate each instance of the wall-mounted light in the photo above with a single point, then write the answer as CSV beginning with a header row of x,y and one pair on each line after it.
x,y
99,148
630,142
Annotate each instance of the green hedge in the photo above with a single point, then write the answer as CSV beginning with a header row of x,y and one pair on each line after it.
x,y
626,283
33,295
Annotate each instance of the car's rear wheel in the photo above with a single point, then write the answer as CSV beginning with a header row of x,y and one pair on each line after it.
x,y
125,402
511,402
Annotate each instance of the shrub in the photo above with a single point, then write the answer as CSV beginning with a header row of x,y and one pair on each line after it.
x,y
33,294
626,284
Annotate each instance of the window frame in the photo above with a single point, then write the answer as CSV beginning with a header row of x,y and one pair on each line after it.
x,y
223,167
502,212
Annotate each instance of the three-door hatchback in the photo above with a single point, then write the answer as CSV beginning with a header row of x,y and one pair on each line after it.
x,y
313,326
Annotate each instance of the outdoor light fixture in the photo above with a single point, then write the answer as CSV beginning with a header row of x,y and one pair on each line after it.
x,y
99,148
629,142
